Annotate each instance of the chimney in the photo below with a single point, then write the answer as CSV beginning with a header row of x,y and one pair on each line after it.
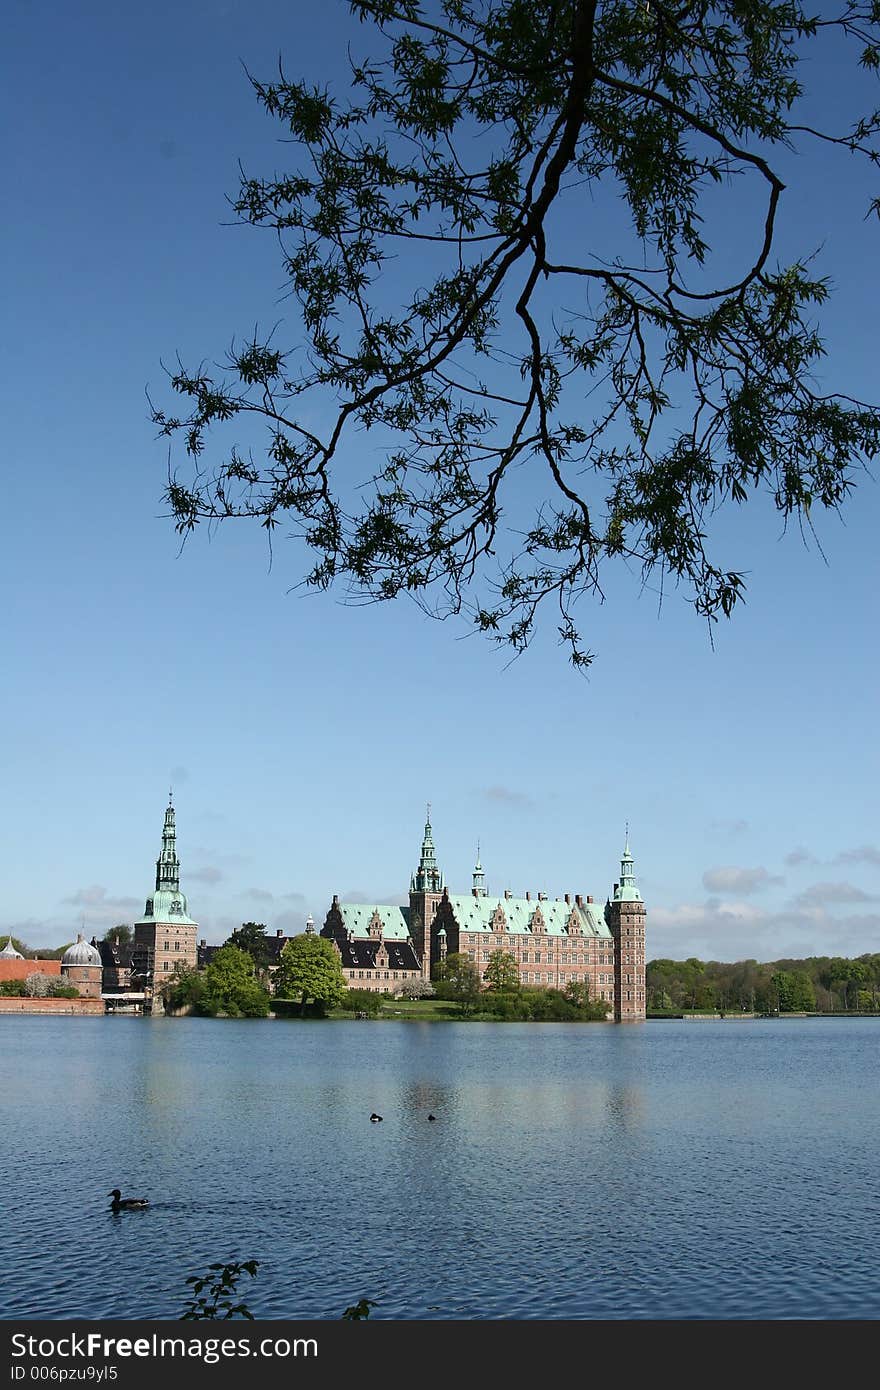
x,y
616,886
567,898
528,896
589,897
577,898
202,942
506,894
335,899
279,931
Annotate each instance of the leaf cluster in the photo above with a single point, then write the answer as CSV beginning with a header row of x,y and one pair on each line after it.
x,y
564,372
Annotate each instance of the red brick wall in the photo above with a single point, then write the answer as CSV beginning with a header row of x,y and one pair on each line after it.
x,y
20,969
51,1006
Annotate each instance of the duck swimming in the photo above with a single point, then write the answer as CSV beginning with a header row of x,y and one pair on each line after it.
x,y
129,1204
375,1119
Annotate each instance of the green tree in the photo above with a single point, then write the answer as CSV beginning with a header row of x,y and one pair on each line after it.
x,y
458,979
363,1001
542,179
581,996
121,935
231,987
310,970
184,988
794,991
251,937
502,973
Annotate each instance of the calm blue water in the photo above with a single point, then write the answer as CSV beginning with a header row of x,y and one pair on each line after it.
x,y
675,1170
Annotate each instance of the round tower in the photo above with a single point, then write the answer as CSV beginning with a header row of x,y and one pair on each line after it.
x,y
81,967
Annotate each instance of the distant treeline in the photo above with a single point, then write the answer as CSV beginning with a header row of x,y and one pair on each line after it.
x,y
827,984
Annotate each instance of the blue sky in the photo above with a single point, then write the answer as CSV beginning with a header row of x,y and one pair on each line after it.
x,y
303,737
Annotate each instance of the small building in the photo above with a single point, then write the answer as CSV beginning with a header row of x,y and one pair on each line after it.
x,y
15,966
76,969
273,946
116,965
81,967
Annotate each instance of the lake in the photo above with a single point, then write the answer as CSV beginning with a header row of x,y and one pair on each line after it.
x,y
671,1170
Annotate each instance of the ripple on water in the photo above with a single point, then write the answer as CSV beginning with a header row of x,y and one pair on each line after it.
x,y
573,1172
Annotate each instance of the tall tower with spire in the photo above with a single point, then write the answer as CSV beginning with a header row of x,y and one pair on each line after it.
x,y
165,935
425,891
479,887
625,915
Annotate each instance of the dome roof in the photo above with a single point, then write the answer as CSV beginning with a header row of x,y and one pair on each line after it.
x,y
81,953
9,952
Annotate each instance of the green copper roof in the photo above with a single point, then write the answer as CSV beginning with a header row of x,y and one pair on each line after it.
x,y
626,891
427,877
167,904
356,918
477,914
479,882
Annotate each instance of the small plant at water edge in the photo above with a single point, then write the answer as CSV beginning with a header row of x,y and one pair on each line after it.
x,y
221,1282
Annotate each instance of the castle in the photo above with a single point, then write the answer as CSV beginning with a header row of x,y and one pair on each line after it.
x,y
383,947
553,941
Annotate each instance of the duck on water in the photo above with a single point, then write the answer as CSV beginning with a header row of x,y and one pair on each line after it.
x,y
126,1204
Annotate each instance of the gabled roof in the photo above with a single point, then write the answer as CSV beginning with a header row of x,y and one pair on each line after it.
x,y
476,914
356,918
361,955
114,955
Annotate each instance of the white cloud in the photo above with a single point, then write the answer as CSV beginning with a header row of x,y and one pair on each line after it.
x,y
800,855
865,854
834,893
729,827
95,896
507,795
209,874
733,930
730,878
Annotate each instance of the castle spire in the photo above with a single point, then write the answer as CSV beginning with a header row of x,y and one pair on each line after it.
x,y
479,877
427,877
168,864
626,890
